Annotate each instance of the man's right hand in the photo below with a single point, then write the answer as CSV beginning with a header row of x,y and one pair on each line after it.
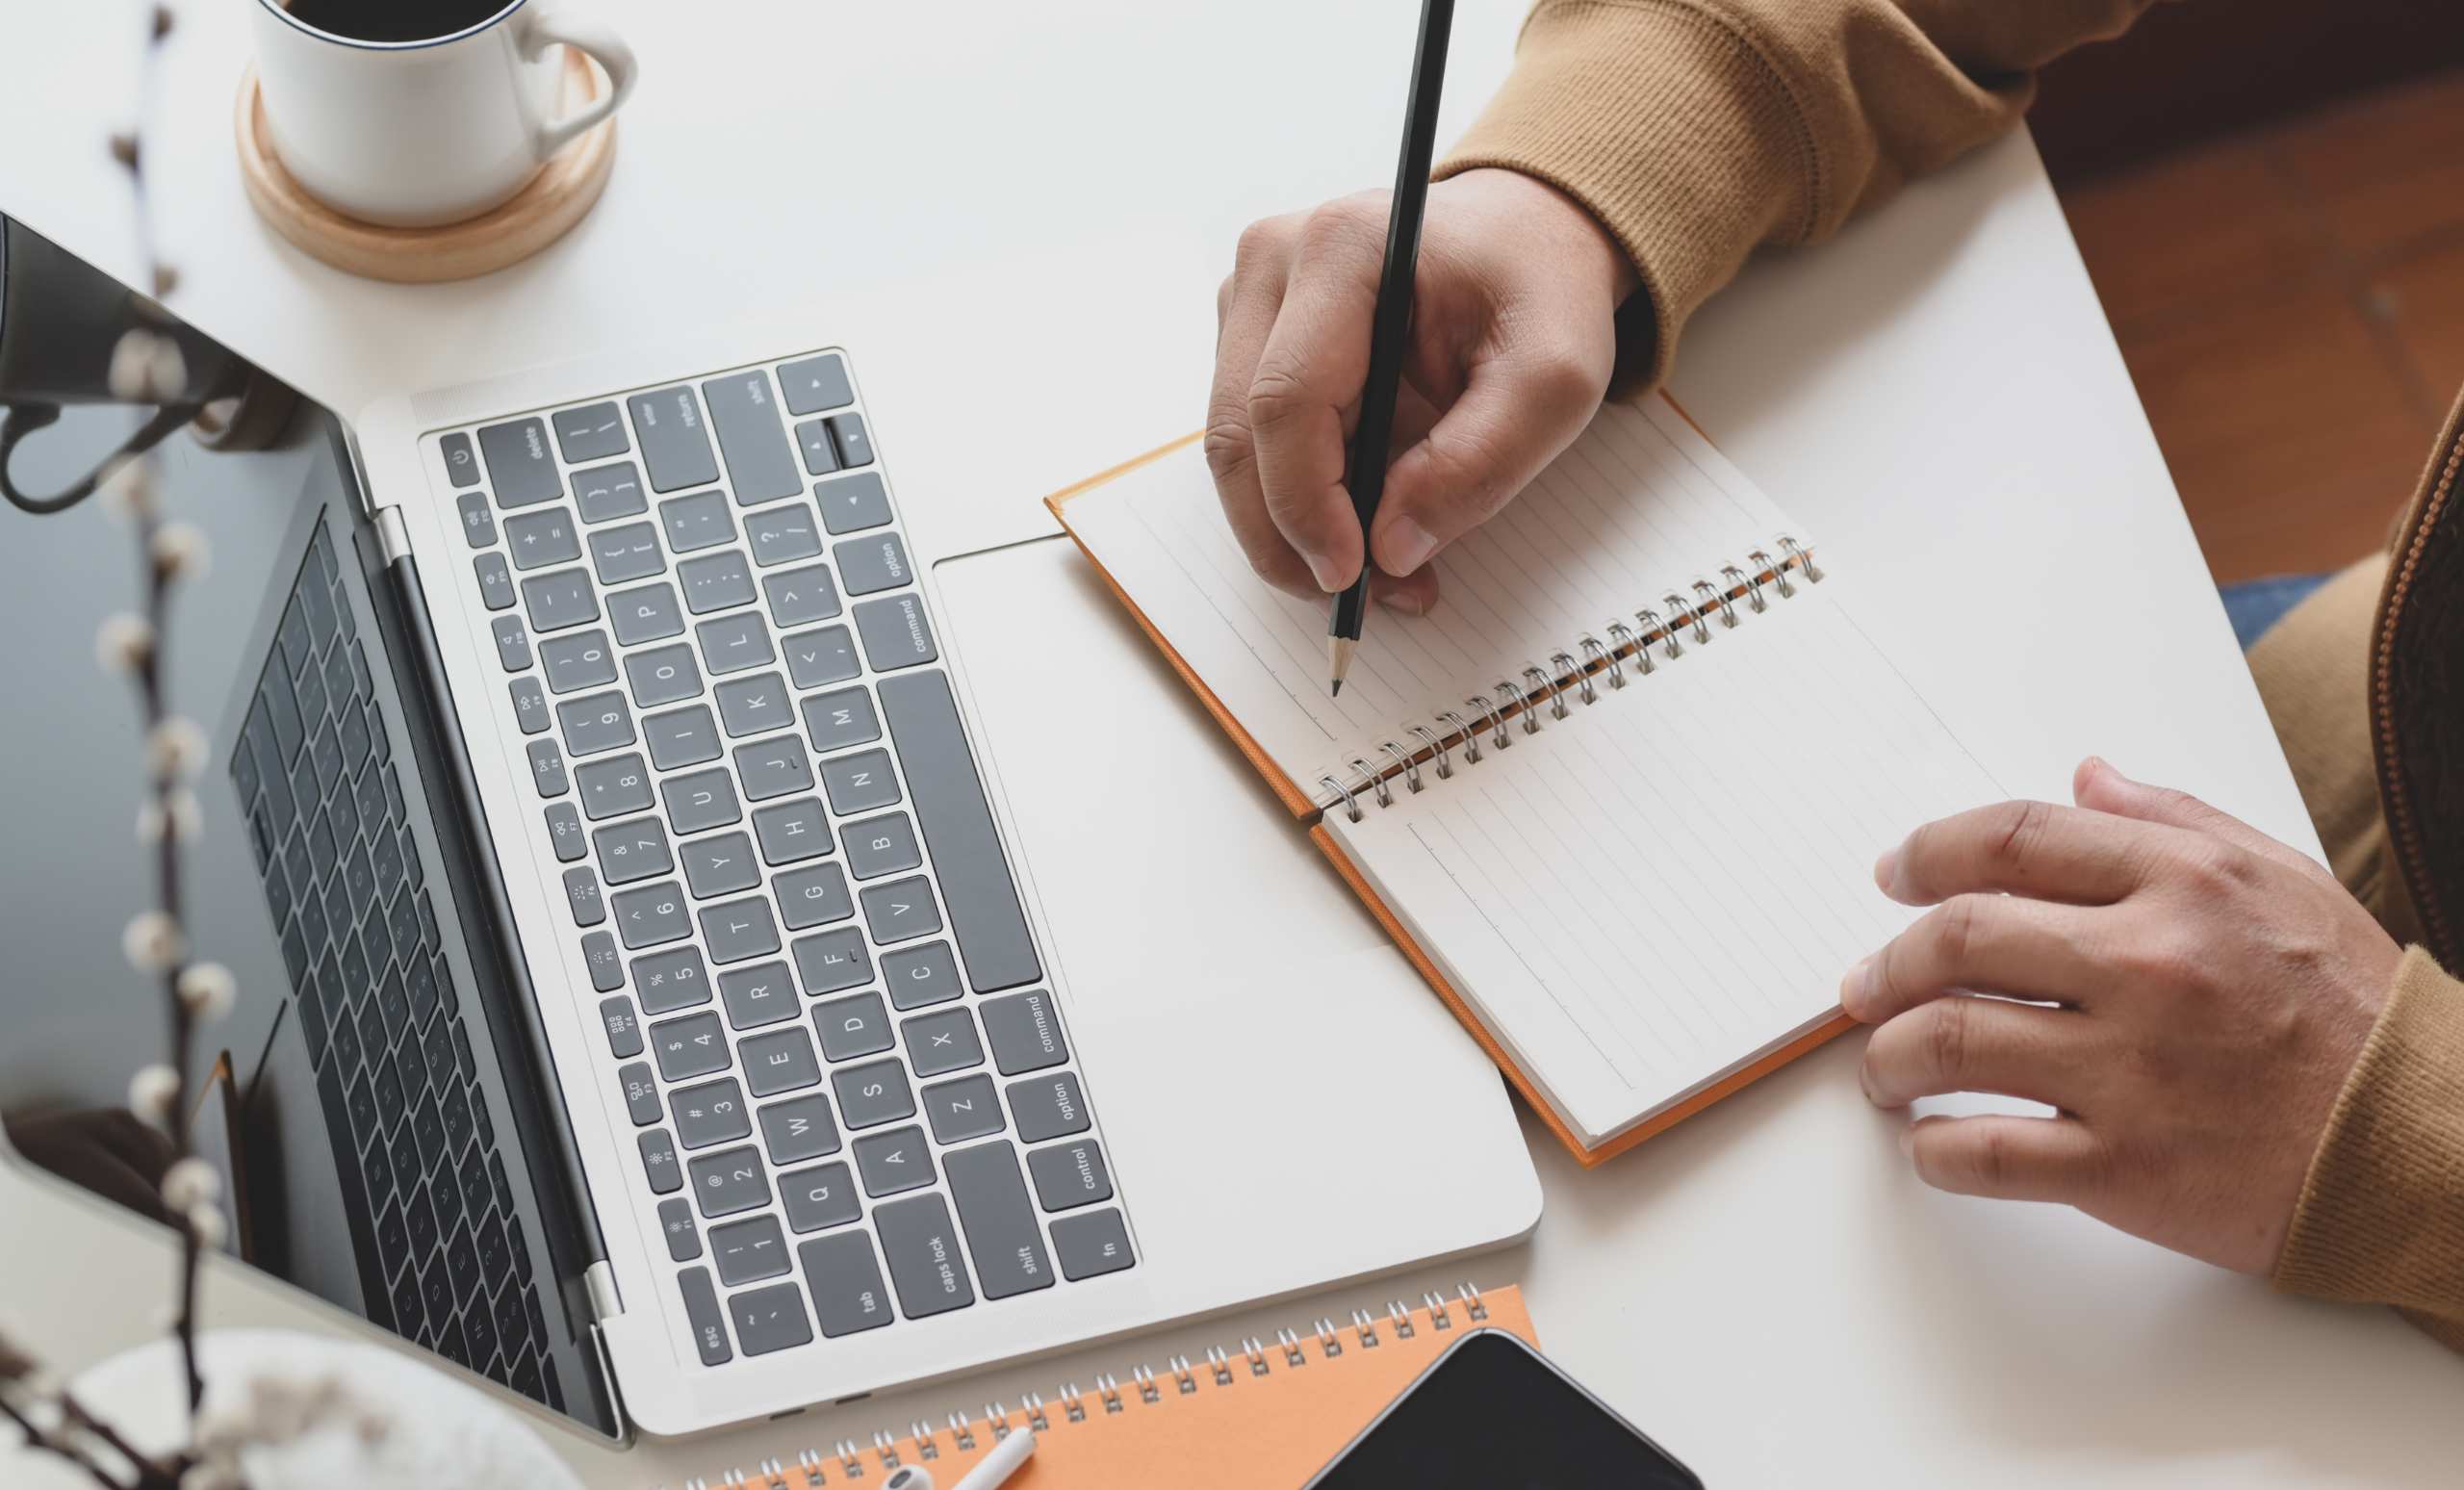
x,y
1513,337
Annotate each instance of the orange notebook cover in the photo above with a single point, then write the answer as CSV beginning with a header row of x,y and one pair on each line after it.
x,y
1299,802
1258,1415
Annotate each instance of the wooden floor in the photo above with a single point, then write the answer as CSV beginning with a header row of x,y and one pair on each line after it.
x,y
2291,303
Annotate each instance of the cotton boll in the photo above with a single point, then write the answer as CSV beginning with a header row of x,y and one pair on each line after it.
x,y
123,643
151,941
208,990
189,1184
151,1093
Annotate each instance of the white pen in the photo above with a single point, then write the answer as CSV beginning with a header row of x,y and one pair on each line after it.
x,y
990,1472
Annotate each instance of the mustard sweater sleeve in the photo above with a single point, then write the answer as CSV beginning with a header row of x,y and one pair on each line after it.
x,y
1700,129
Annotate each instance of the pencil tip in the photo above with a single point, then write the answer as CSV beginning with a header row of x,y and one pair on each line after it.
x,y
1339,651
1335,688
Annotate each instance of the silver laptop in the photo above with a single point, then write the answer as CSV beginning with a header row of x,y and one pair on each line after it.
x,y
651,1004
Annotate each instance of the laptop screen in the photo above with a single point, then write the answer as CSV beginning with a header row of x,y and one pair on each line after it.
x,y
367,1098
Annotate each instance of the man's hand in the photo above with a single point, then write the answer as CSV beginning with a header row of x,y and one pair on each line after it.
x,y
1512,340
2210,990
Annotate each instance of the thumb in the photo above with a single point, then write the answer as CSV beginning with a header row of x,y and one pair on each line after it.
x,y
2100,788
1513,417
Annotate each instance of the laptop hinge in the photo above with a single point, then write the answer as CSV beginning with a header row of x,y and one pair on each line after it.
x,y
393,538
606,1302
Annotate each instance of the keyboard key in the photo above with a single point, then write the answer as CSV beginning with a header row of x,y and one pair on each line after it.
x,y
547,768
560,599
670,980
923,975
711,1113
459,466
1070,1175
819,1197
1047,1107
893,1163
683,1236
513,651
538,539
701,1313
1091,1244
1026,1032
529,705
801,596
853,503
699,521
813,897
641,1093
620,555
730,644
646,613
614,787
963,1109
821,458
720,865
581,660
854,1026
705,799
868,565
880,845
923,1251
624,1028
729,1182
596,724
748,1251
605,964
1001,1232
754,705
496,581
652,915
815,385
607,491
821,657
759,465
519,463
846,1283
765,994
591,432
662,675
773,767
895,633
870,1096
682,737
799,1129
900,910
792,831
736,929
835,721
582,894
715,582
957,822
855,444
659,1164
938,1043
783,535
668,423
833,961
860,783
780,1061
635,850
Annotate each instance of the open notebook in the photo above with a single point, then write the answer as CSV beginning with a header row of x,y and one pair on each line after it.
x,y
1619,797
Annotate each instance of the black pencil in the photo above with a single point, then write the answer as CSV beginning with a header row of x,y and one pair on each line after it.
x,y
1365,473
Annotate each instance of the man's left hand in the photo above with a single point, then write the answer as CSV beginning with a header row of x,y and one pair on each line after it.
x,y
2186,992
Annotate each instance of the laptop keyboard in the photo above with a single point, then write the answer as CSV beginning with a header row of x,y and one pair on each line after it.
x,y
854,1102
431,1210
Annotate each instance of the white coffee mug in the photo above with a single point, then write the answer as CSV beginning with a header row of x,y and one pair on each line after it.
x,y
409,134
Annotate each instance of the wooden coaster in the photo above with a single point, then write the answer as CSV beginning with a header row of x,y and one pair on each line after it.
x,y
549,203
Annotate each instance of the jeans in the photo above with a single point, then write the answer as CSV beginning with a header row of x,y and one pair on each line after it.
x,y
2256,604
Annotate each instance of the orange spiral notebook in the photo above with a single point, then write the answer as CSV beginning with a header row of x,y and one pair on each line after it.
x,y
1259,1415
1617,797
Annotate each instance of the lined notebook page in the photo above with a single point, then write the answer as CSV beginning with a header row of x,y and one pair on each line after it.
x,y
1639,506
1652,891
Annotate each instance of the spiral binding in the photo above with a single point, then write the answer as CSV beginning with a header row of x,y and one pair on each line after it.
x,y
1289,1350
1578,670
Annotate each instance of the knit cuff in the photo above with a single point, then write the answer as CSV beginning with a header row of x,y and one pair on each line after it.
x,y
1674,129
2382,1218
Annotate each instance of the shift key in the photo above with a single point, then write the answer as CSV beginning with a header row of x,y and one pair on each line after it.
x,y
1000,1221
759,464
668,424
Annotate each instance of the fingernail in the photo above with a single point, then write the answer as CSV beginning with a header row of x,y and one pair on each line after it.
x,y
1852,989
1407,546
1907,1141
1885,867
1322,570
1408,602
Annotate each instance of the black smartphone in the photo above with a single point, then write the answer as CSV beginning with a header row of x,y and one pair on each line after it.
x,y
1493,1414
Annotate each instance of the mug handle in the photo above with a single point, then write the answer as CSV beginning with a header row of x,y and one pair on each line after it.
x,y
21,419
542,28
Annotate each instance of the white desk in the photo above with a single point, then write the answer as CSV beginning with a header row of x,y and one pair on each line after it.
x,y
1765,1289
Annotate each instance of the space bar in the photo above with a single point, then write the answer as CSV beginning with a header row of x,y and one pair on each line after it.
x,y
967,861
